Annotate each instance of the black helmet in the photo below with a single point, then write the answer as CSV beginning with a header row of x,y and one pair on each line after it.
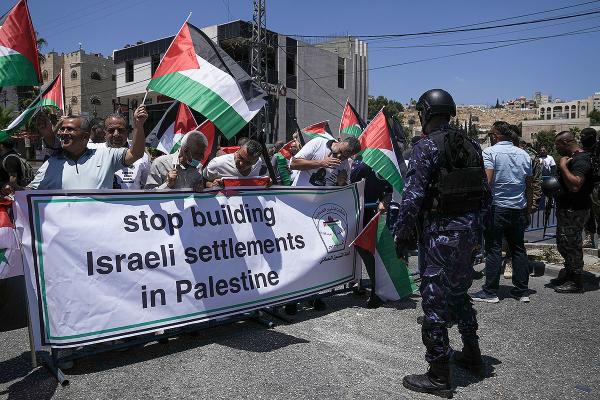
x,y
435,102
551,186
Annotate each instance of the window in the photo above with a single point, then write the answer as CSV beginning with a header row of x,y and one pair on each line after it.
x,y
114,77
45,75
73,74
291,59
341,72
128,71
290,118
154,62
95,76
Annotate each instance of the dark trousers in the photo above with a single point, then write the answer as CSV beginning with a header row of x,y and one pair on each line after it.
x,y
510,224
569,240
592,225
446,275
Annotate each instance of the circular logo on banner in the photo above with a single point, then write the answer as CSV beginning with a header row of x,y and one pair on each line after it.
x,y
332,224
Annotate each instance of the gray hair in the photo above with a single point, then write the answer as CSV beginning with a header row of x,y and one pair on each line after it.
x,y
194,138
86,123
116,115
253,147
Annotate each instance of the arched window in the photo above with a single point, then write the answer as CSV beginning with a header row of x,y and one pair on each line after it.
x,y
45,75
95,76
74,100
73,74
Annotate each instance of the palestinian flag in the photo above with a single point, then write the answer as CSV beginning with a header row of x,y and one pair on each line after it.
x,y
230,149
167,134
285,150
281,163
378,152
52,96
197,72
210,131
376,247
19,63
351,123
320,129
10,256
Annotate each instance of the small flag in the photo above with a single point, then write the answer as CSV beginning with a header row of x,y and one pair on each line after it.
x,y
10,255
286,151
378,153
376,247
230,149
280,161
210,131
19,62
167,134
52,96
320,129
197,72
351,124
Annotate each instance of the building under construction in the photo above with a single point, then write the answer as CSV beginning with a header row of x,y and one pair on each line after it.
x,y
306,82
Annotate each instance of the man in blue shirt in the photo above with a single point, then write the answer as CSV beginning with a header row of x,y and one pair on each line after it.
x,y
509,174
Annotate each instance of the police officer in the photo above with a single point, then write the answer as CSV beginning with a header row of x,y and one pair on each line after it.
x,y
446,187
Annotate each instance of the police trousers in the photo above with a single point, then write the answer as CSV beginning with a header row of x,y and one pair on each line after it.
x,y
446,271
569,240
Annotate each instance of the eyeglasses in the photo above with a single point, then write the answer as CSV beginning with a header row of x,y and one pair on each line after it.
x,y
69,129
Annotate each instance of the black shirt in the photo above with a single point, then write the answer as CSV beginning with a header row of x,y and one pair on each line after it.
x,y
580,165
9,165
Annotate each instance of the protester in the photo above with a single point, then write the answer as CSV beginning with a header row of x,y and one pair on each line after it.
x,y
377,191
324,162
588,138
572,208
180,170
11,170
509,174
444,194
548,163
244,163
77,167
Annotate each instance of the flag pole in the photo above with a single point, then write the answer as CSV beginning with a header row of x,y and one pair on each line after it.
x,y
62,89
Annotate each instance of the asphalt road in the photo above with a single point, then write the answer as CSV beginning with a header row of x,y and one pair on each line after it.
x,y
548,349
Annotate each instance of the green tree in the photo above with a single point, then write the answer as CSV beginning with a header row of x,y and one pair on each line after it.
x,y
5,117
594,117
546,139
393,107
39,43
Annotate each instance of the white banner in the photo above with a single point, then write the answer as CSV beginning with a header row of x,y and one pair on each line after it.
x,y
102,265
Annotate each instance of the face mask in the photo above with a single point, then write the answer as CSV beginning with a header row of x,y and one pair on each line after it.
x,y
193,163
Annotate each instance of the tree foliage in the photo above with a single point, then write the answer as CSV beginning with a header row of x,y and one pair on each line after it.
x,y
393,107
546,139
5,117
594,117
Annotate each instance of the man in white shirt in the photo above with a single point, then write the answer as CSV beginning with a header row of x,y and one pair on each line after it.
x,y
116,134
324,162
244,163
548,163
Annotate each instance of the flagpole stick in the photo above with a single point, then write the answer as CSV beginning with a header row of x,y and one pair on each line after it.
x,y
144,99
62,89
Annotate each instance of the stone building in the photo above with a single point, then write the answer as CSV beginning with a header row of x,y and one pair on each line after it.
x,y
88,78
569,109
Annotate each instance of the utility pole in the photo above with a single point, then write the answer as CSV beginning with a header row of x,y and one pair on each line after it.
x,y
258,63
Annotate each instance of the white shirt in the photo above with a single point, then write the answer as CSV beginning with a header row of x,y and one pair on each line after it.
x,y
133,177
92,145
547,164
224,167
317,149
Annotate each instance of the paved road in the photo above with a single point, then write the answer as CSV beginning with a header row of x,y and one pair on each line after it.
x,y
548,349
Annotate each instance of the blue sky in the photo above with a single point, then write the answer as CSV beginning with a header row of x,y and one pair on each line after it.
x,y
566,67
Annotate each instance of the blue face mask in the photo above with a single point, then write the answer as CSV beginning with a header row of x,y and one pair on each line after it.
x,y
193,163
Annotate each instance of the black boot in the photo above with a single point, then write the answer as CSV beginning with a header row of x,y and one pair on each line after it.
x,y
573,285
563,276
436,381
374,301
470,357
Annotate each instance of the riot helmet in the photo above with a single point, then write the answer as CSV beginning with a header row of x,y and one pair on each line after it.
x,y
551,186
435,102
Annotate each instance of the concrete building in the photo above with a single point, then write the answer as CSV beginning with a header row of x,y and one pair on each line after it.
x,y
89,81
569,109
530,128
339,67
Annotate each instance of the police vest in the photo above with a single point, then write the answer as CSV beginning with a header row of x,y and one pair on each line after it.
x,y
457,186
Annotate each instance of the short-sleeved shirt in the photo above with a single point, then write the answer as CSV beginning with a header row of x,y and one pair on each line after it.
x,y
187,177
133,177
580,165
511,166
95,169
547,164
319,149
10,165
224,167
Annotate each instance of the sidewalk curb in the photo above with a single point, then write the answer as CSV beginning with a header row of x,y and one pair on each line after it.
x,y
543,246
553,269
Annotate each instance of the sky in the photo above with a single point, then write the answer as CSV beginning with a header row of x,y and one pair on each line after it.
x,y
565,67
